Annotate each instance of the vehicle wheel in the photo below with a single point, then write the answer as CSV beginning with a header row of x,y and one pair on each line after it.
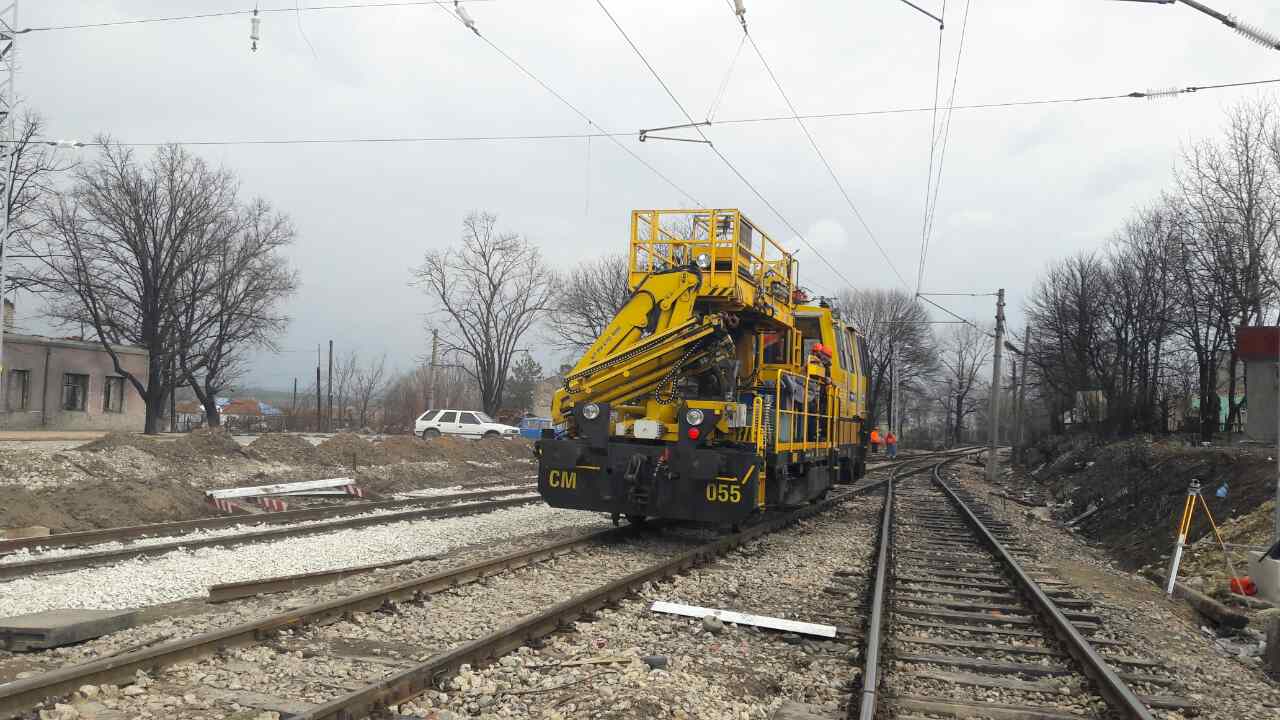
x,y
430,433
491,435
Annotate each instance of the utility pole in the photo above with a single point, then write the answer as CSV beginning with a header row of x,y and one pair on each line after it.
x,y
293,409
1022,389
895,418
319,405
8,145
328,423
995,389
1013,393
431,373
173,396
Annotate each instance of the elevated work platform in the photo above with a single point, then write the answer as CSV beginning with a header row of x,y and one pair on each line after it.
x,y
741,266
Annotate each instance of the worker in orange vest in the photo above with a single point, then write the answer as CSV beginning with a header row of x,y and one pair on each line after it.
x,y
875,440
891,445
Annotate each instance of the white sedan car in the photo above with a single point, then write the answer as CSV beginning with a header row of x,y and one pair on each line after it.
x,y
466,423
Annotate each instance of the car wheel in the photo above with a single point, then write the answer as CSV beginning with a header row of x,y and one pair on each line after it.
x,y
491,435
430,433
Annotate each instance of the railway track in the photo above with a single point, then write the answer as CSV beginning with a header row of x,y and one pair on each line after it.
x,y
173,529
602,566
61,562
963,624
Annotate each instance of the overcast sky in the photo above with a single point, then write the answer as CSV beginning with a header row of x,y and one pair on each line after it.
x,y
1021,186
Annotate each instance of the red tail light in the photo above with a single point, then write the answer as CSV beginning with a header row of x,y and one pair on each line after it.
x,y
694,433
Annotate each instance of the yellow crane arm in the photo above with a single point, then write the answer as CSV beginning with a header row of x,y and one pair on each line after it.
x,y
655,330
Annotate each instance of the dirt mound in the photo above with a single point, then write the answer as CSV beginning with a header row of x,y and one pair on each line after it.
x,y
200,444
408,448
208,442
1139,486
284,448
346,449
114,440
101,504
448,447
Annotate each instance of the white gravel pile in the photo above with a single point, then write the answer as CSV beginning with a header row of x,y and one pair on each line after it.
x,y
44,468
40,553
454,489
185,574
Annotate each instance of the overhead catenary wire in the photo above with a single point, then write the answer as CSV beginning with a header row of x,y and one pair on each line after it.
x,y
724,84
1003,104
297,16
719,153
933,143
234,13
529,73
1150,94
830,170
966,321
931,206
346,141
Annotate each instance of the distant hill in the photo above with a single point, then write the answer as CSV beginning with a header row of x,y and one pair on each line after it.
x,y
279,398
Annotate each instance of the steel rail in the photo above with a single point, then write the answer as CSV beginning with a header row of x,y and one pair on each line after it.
x,y
90,559
871,653
21,695
409,683
414,681
870,678
131,532
1113,689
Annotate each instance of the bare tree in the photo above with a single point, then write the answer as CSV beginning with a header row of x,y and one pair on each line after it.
x,y
494,288
344,372
236,291
115,248
1228,197
892,322
586,301
34,168
367,384
963,357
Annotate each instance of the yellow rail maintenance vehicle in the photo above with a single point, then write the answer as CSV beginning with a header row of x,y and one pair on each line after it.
x,y
716,392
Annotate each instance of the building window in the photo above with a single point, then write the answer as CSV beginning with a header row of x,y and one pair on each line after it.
x,y
113,395
75,390
18,394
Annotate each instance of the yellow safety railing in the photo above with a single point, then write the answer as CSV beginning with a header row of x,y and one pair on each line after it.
x,y
734,247
797,425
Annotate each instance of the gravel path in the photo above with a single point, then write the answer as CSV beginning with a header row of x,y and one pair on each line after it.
x,y
187,574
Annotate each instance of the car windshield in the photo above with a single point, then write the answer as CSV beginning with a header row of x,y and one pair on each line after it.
x,y
484,418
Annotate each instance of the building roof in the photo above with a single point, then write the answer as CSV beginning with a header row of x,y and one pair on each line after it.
x,y
248,407
72,343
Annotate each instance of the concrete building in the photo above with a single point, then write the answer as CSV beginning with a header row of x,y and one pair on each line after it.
x,y
53,384
1259,348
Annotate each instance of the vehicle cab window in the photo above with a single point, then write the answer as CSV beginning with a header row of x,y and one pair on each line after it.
x,y
468,419
429,415
449,417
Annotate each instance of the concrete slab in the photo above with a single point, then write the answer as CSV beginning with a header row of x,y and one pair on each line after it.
x,y
54,628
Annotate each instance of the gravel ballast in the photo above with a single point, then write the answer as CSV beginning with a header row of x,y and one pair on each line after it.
x,y
1137,613
187,574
